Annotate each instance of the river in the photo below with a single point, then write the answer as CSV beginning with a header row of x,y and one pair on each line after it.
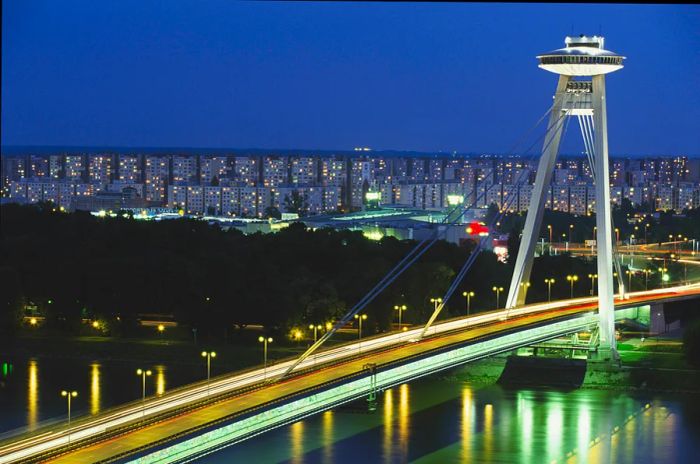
x,y
439,419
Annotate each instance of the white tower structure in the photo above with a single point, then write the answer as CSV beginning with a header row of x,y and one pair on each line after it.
x,y
581,66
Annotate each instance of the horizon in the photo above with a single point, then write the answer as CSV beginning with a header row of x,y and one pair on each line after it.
x,y
46,150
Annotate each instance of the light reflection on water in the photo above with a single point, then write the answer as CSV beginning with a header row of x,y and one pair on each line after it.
x,y
30,390
32,394
437,420
431,420
94,388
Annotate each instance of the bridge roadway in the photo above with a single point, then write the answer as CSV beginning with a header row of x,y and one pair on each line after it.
x,y
118,433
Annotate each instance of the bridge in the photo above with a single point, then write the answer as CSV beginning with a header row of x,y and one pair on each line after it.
x,y
200,418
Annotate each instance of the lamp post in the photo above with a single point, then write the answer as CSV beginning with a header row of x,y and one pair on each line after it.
x,y
629,280
265,341
646,278
498,291
549,283
524,286
400,309
664,276
161,329
69,395
593,277
468,296
360,318
617,235
646,227
208,355
143,373
315,328
571,229
549,226
572,279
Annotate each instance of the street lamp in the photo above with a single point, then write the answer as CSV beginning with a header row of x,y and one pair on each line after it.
x,y
69,395
646,226
360,318
629,280
664,276
468,296
572,279
549,283
265,341
297,335
315,328
498,291
400,309
646,278
143,373
524,286
435,302
593,277
571,229
208,355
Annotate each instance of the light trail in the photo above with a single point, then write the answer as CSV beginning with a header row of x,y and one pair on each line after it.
x,y
188,396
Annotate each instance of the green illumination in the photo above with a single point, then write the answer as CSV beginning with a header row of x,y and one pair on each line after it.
x,y
373,196
665,278
373,235
454,200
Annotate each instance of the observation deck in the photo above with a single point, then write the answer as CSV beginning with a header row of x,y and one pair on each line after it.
x,y
582,56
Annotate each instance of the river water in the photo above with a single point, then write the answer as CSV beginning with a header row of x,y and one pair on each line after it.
x,y
439,419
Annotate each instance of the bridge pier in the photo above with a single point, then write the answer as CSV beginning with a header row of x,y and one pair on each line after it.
x,y
658,323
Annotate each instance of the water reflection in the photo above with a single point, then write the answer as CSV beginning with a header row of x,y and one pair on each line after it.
x,y
583,429
555,428
404,419
94,388
32,394
388,442
467,424
525,423
160,379
327,436
296,435
488,430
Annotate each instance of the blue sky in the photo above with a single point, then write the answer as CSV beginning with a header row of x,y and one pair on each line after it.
x,y
399,76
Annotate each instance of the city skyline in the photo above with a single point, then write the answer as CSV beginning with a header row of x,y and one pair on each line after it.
x,y
331,76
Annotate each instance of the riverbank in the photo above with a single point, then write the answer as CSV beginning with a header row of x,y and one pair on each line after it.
x,y
229,357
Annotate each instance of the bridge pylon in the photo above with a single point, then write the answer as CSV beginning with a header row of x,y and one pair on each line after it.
x,y
581,66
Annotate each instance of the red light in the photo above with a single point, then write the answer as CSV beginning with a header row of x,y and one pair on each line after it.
x,y
477,228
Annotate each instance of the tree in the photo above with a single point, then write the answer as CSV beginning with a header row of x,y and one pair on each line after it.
x,y
272,212
297,203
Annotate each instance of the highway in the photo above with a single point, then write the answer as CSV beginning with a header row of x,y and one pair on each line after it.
x,y
329,364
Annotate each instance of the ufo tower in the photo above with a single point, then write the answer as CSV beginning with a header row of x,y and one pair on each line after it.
x,y
581,66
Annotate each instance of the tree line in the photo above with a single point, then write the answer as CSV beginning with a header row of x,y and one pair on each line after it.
x,y
75,266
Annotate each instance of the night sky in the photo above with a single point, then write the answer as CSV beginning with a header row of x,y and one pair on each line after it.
x,y
413,76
